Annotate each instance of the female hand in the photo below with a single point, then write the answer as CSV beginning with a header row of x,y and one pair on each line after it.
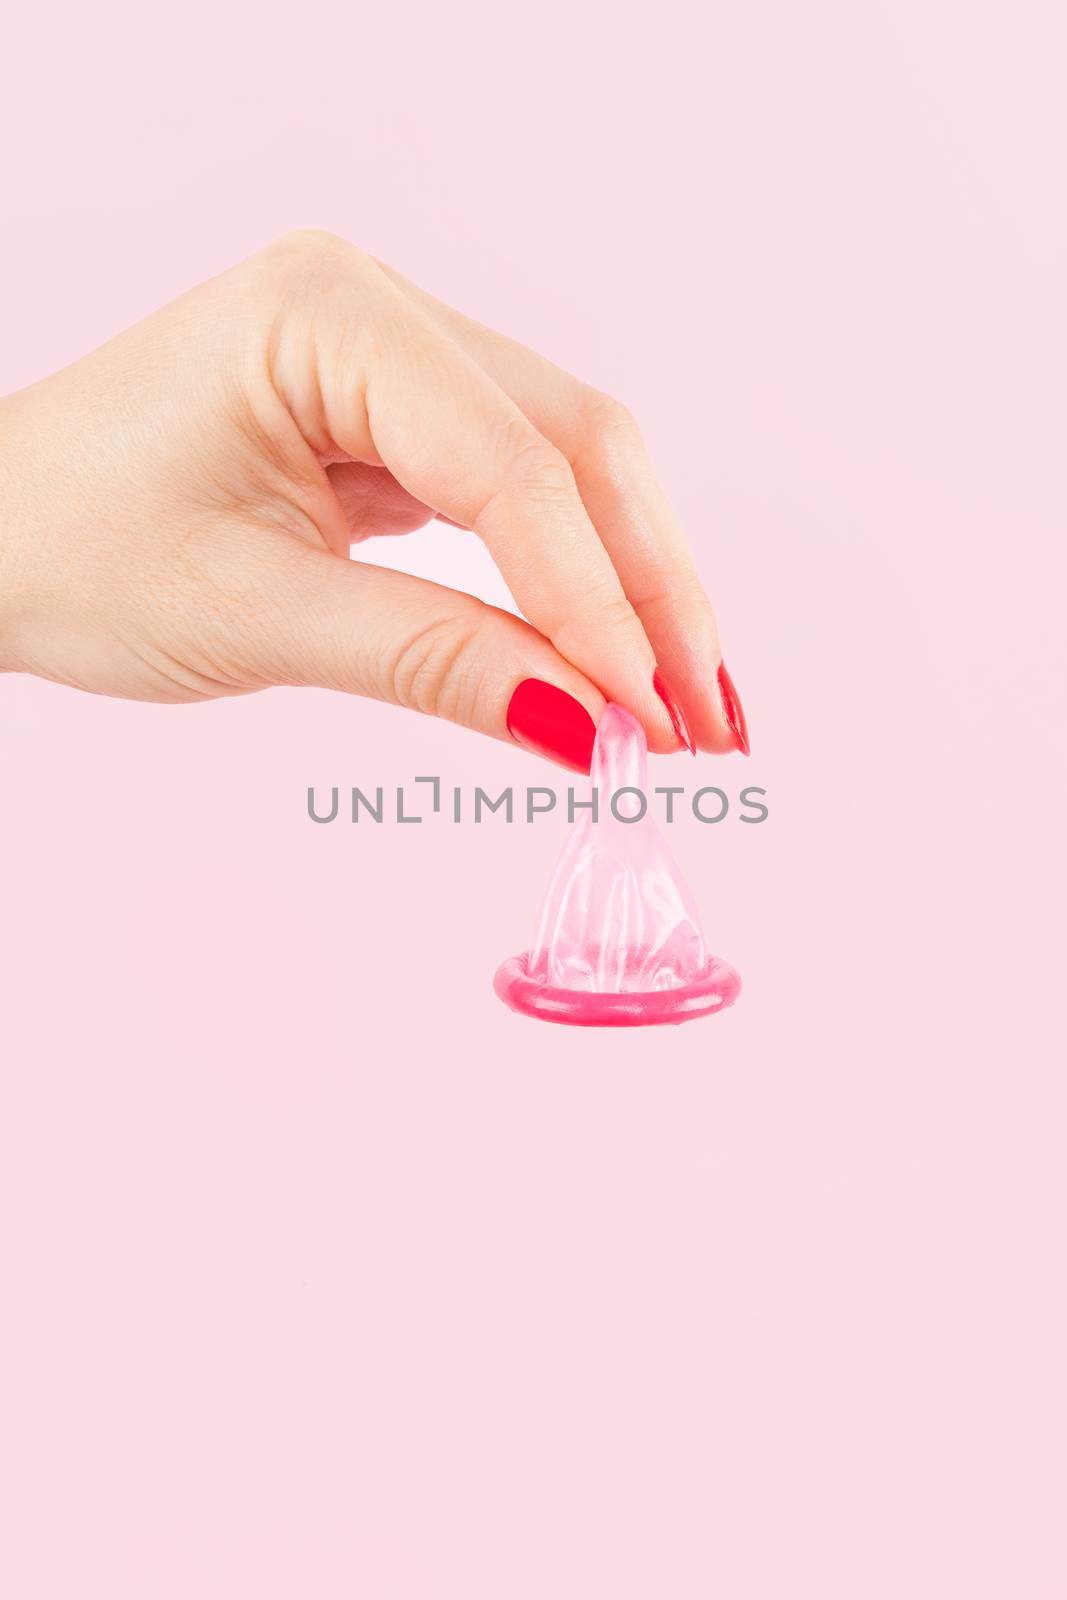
x,y
176,512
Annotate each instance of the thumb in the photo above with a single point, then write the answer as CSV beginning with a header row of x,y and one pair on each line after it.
x,y
367,630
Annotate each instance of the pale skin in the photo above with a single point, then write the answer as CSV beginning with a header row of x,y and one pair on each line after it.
x,y
177,510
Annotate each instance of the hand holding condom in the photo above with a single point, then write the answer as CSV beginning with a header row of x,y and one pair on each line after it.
x,y
177,511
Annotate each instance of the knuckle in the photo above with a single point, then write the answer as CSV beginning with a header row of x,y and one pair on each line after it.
x,y
608,429
615,611
309,241
434,670
534,470
606,616
605,414
538,467
306,253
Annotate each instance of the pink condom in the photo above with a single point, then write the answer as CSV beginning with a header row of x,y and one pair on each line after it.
x,y
620,943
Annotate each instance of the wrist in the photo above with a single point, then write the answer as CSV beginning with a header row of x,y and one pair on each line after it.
x,y
14,509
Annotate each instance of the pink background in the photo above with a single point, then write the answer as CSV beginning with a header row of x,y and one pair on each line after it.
x,y
323,1274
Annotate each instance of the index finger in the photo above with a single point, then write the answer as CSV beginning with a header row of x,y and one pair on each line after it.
x,y
628,508
395,389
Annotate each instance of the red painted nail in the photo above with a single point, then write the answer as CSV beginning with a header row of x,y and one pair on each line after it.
x,y
674,711
731,706
552,723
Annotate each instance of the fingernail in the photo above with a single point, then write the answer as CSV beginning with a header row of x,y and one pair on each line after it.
x,y
674,711
552,723
731,706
